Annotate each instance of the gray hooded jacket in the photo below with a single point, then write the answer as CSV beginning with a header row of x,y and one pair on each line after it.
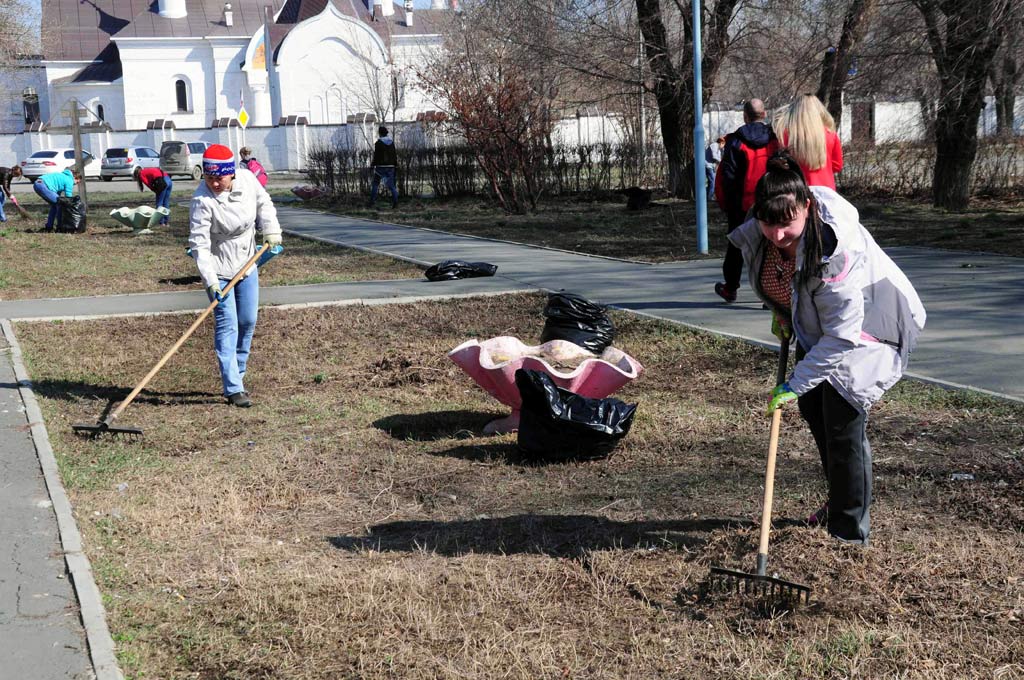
x,y
858,316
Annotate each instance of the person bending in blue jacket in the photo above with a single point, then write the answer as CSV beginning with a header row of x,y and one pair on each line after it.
x,y
52,186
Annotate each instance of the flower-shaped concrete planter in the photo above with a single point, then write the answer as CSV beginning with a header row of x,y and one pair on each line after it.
x,y
143,217
493,364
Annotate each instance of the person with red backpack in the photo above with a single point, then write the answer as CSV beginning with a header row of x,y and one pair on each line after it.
x,y
744,160
253,165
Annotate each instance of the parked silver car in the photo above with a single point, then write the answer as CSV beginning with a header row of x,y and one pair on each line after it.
x,y
183,158
121,161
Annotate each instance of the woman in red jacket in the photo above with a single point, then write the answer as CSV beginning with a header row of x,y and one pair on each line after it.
x,y
159,182
807,130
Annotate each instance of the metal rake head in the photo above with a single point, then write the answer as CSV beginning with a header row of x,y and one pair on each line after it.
x,y
761,586
104,428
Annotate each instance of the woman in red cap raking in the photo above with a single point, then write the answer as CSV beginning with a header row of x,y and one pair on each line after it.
x,y
228,209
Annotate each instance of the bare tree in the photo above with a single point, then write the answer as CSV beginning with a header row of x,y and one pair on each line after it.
x,y
835,68
19,29
500,99
963,45
1005,73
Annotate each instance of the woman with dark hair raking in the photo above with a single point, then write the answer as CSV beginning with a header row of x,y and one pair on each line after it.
x,y
159,182
228,207
855,317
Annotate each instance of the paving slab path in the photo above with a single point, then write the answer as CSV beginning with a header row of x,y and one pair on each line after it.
x,y
974,338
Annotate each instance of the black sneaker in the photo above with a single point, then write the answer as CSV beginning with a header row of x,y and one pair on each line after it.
x,y
239,399
725,292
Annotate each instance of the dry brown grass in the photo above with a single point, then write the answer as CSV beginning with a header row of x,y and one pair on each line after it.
x,y
109,259
602,225
355,524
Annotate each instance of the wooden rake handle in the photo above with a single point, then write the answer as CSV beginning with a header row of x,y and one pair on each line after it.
x,y
769,475
181,341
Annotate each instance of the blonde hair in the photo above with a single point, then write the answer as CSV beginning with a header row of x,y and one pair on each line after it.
x,y
804,123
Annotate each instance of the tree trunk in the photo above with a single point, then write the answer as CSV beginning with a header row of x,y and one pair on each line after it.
x,y
1004,85
963,46
673,84
956,142
667,89
835,68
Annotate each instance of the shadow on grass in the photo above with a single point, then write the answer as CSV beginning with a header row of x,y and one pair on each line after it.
x,y
68,390
434,425
551,535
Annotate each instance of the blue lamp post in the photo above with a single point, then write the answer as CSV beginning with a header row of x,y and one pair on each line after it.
x,y
699,192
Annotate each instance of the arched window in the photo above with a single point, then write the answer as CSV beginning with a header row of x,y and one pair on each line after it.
x,y
335,106
99,112
316,110
181,94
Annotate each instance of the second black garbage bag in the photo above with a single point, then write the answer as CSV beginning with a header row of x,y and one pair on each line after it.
x,y
556,424
576,319
449,270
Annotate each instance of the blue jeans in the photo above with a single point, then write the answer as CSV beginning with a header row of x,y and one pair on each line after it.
x,y
709,174
163,199
235,321
3,199
50,197
388,175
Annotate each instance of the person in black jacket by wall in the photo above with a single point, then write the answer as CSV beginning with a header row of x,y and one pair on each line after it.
x,y
385,159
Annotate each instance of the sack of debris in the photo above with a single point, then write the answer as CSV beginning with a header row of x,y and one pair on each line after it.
x,y
556,424
72,215
576,319
449,270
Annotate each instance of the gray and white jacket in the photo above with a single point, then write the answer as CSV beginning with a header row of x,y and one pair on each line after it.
x,y
222,232
858,316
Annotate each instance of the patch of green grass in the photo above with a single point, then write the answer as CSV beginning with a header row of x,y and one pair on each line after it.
x,y
110,258
102,470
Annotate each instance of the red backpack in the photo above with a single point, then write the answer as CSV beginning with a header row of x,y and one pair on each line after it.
x,y
255,168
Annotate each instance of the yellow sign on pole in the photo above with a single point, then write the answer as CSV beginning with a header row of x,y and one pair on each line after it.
x,y
243,117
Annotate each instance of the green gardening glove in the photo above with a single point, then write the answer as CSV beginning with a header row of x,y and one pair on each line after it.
x,y
781,327
780,395
214,293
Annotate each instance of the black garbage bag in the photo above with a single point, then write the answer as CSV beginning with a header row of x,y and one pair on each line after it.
x,y
557,424
72,214
449,270
576,319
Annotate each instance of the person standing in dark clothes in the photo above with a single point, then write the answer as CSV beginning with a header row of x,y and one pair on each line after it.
x,y
385,159
744,160
6,175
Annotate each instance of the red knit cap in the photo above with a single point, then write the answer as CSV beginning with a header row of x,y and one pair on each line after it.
x,y
218,160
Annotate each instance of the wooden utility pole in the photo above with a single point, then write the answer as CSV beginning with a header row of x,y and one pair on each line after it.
x,y
74,112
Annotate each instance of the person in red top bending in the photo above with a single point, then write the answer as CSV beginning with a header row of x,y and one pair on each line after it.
x,y
159,182
808,132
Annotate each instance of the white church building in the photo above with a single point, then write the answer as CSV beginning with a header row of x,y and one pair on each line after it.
x,y
196,63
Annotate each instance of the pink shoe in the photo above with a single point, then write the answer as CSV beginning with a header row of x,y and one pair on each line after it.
x,y
820,517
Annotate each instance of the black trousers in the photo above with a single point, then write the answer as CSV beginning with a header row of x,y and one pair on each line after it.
x,y
732,266
840,431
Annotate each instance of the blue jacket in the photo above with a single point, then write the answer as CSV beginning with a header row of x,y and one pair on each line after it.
x,y
60,181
